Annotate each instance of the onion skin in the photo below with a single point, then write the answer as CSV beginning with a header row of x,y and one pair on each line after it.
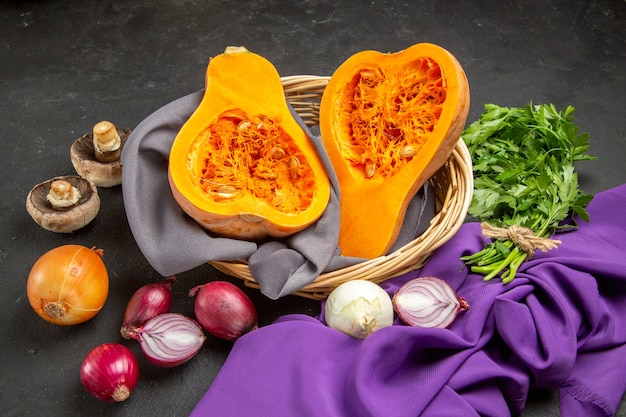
x,y
428,302
110,372
169,339
147,302
358,308
224,310
68,284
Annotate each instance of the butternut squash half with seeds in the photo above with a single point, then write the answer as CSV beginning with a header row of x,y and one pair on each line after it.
x,y
388,123
241,165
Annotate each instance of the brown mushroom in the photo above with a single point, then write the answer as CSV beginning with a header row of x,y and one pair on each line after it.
x,y
63,204
96,155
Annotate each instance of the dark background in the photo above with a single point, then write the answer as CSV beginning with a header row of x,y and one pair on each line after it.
x,y
65,65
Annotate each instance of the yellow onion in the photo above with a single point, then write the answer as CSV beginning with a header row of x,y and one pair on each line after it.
x,y
68,284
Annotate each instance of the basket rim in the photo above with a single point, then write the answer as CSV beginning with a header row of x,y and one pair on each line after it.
x,y
414,254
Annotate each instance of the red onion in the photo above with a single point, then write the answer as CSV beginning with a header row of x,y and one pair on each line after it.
x,y
428,302
110,372
224,310
147,302
169,339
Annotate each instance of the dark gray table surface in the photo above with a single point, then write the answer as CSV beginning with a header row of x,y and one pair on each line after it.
x,y
65,65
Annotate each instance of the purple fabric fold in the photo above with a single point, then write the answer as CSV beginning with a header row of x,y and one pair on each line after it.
x,y
561,324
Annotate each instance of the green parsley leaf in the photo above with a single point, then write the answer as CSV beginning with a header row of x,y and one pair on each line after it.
x,y
523,163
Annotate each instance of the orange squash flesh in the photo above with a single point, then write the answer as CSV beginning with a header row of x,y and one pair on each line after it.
x,y
389,121
241,166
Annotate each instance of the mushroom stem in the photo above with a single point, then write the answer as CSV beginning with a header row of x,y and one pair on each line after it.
x,y
63,195
106,142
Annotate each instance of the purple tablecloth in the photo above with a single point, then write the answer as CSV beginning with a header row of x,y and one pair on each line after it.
x,y
561,324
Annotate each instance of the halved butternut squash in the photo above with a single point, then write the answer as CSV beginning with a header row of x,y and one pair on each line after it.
x,y
389,121
241,165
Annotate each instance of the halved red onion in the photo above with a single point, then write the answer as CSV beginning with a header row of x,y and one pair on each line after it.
x,y
428,302
169,339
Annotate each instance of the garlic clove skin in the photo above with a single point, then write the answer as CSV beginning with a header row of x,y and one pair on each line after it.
x,y
358,308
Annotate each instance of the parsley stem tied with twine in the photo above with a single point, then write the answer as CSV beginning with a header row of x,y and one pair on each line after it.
x,y
510,247
522,237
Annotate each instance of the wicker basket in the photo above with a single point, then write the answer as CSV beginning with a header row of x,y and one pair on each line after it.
x,y
453,185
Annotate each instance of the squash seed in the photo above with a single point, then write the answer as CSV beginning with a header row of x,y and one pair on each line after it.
x,y
251,217
244,125
294,167
278,198
370,169
277,152
266,175
408,151
224,192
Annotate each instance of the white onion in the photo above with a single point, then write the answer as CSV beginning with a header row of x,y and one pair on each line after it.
x,y
428,302
358,308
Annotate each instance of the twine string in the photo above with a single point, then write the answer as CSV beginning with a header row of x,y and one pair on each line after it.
x,y
521,236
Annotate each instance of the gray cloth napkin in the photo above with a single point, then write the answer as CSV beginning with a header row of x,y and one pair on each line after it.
x,y
173,243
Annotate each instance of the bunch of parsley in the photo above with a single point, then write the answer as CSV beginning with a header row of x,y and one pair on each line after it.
x,y
523,164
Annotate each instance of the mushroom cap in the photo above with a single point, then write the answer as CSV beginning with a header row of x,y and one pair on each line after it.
x,y
84,160
67,220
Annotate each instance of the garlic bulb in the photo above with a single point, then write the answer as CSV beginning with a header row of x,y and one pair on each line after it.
x,y
358,308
